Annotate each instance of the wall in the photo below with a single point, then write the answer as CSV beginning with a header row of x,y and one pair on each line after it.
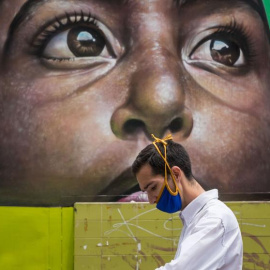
x,y
138,236
267,9
36,238
113,236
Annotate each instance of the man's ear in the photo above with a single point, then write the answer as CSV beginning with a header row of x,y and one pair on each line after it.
x,y
177,172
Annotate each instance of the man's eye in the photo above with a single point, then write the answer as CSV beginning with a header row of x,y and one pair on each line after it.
x,y
79,41
219,50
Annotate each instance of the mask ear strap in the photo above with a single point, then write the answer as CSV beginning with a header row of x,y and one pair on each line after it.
x,y
163,141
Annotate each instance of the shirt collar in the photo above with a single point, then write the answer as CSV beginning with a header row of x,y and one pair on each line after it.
x,y
197,204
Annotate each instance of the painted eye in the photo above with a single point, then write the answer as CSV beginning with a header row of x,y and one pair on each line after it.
x,y
83,41
221,50
79,41
224,52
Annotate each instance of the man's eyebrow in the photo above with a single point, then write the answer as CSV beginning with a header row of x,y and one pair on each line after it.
x,y
146,187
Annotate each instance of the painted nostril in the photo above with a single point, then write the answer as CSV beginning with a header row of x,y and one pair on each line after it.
x,y
176,125
134,126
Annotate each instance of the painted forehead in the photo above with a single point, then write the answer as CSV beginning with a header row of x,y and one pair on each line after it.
x,y
30,5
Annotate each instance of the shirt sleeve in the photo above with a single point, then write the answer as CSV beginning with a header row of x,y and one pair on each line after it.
x,y
202,249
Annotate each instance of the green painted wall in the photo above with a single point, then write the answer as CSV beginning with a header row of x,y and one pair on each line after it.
x,y
267,8
113,236
138,236
36,238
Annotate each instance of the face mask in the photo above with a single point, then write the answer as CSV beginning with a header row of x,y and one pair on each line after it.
x,y
168,201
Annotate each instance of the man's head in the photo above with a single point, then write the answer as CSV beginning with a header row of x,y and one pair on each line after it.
x,y
149,168
176,156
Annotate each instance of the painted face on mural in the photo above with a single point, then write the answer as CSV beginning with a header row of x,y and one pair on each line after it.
x,y
84,83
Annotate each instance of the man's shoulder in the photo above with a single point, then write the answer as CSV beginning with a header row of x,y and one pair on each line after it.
x,y
215,209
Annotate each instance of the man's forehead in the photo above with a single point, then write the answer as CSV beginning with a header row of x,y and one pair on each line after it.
x,y
145,177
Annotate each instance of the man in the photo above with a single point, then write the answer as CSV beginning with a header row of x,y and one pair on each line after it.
x,y
211,238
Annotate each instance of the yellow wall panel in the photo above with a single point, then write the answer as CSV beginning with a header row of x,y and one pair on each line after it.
x,y
34,238
138,236
113,236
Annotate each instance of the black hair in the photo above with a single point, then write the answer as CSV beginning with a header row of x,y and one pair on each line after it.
x,y
176,156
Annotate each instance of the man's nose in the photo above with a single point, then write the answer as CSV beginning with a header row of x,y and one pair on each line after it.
x,y
156,101
151,198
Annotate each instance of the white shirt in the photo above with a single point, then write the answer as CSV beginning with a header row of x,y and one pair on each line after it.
x,y
210,239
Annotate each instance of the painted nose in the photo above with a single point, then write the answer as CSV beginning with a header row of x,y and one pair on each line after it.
x,y
156,102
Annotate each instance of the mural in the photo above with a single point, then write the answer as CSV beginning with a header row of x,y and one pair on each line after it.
x,y
84,83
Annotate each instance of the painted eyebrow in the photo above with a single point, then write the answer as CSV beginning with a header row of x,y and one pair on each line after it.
x,y
23,14
20,17
257,5
30,5
27,7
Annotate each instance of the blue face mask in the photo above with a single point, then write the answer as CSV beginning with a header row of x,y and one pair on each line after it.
x,y
169,202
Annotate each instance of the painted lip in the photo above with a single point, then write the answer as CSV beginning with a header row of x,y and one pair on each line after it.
x,y
124,188
138,196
